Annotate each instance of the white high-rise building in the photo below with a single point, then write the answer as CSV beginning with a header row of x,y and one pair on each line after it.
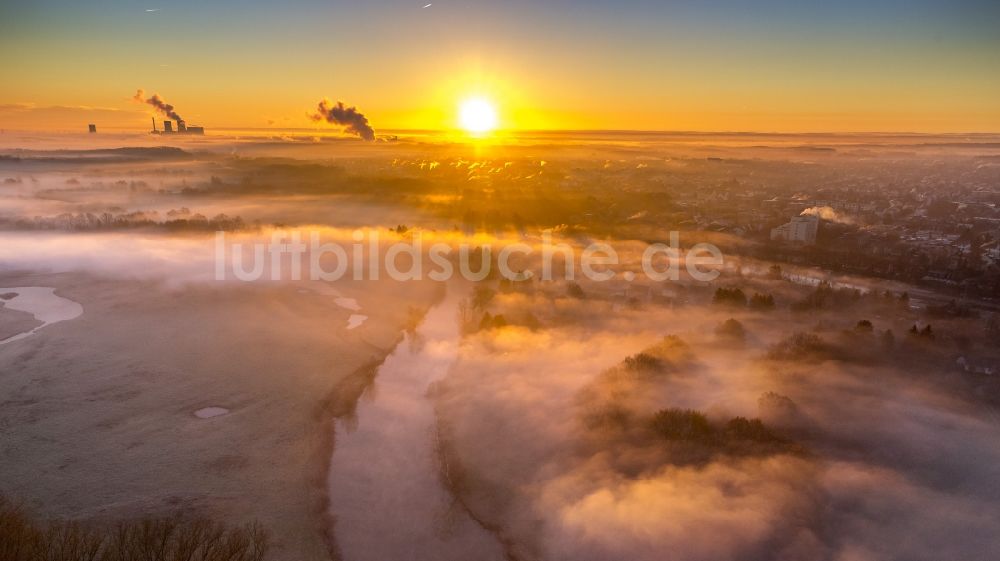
x,y
801,229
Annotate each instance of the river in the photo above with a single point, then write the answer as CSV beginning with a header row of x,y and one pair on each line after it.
x,y
386,497
42,303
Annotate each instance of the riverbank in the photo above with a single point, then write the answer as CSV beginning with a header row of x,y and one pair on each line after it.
x,y
115,395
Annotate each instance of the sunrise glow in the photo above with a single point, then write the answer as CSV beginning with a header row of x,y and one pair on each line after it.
x,y
477,116
548,280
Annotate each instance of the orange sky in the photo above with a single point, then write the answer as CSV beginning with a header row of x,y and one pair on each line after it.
x,y
585,65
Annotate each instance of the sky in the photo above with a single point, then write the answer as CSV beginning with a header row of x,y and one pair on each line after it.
x,y
707,65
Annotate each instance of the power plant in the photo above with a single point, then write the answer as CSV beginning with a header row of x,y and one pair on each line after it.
x,y
182,128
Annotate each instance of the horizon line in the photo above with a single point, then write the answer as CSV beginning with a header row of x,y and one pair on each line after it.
x,y
502,132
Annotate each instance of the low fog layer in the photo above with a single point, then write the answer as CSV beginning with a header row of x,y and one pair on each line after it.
x,y
588,435
830,401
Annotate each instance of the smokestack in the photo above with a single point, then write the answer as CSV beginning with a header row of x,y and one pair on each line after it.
x,y
181,126
154,124
168,126
349,117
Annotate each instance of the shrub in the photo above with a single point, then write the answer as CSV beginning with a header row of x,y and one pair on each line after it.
x,y
731,329
798,346
492,322
925,333
825,296
741,428
762,302
682,424
695,439
642,362
22,538
729,297
775,407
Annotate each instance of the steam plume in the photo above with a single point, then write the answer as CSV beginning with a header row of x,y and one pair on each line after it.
x,y
828,214
157,102
349,117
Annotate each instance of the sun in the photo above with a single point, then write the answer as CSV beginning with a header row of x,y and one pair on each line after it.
x,y
477,116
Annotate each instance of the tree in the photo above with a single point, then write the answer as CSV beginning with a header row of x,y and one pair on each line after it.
x,y
492,322
486,322
926,332
798,347
777,408
641,362
573,290
729,297
826,296
731,329
741,428
682,424
762,302
864,326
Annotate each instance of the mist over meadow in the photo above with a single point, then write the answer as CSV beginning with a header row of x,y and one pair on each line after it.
x,y
781,410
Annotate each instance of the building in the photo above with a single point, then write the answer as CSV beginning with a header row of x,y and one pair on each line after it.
x,y
92,128
801,229
182,128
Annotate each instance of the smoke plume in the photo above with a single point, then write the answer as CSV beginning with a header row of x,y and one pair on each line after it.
x,y
349,117
157,102
828,214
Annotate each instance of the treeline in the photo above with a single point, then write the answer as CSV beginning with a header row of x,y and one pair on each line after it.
x,y
738,436
475,313
735,297
622,416
827,297
125,220
964,272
